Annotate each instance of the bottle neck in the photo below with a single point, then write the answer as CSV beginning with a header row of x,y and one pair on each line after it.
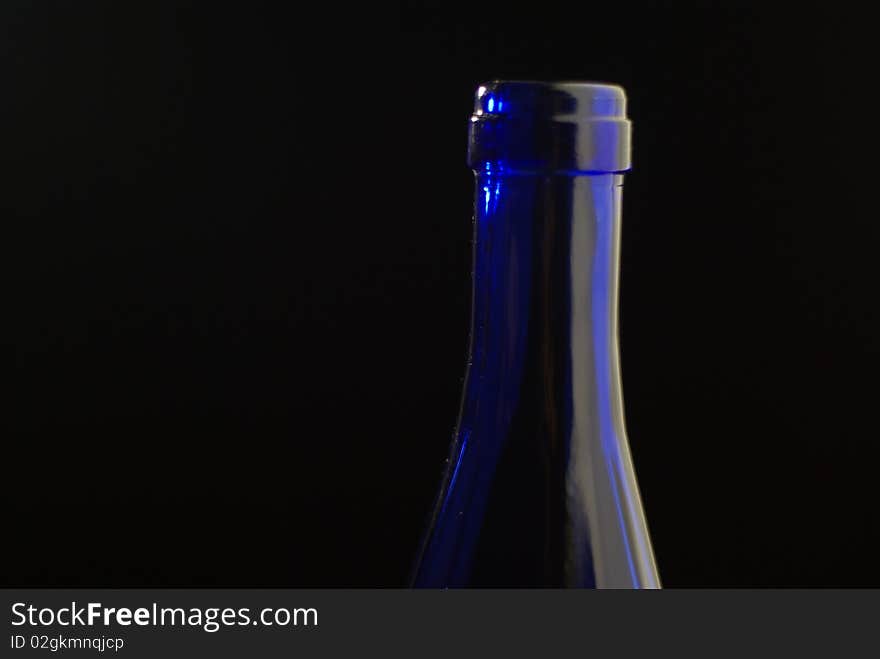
x,y
545,279
540,489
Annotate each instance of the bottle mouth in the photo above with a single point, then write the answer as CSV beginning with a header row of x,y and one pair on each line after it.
x,y
577,127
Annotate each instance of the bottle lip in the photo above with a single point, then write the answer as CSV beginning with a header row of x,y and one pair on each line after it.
x,y
569,99
550,125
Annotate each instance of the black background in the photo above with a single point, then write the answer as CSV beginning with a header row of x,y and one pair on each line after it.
x,y
235,259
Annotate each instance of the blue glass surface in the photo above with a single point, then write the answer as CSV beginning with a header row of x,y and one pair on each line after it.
x,y
540,490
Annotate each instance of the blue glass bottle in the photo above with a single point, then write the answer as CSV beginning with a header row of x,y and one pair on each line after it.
x,y
540,489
